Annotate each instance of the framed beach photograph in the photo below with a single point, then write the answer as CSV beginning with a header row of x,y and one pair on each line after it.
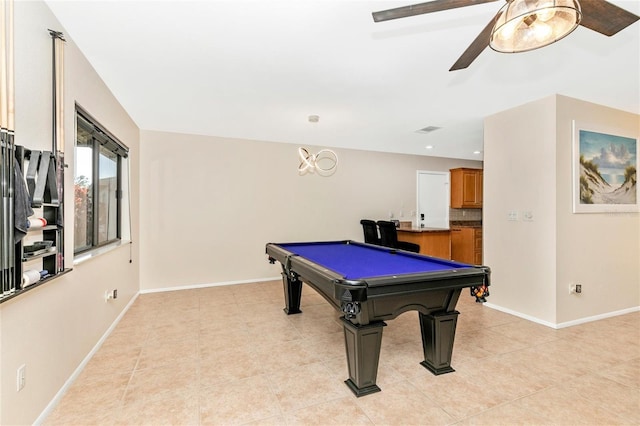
x,y
605,164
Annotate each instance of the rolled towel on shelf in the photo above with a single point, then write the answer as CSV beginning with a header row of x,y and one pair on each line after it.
x,y
29,277
37,223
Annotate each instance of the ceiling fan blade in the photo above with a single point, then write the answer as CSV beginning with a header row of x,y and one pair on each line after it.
x,y
475,48
421,8
604,17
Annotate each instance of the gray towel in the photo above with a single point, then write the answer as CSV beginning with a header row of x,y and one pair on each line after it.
x,y
21,204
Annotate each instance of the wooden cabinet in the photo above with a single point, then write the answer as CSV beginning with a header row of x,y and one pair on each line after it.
x,y
432,243
466,188
466,245
477,247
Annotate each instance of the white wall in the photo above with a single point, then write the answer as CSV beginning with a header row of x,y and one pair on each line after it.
x,y
519,175
600,251
209,205
53,327
528,167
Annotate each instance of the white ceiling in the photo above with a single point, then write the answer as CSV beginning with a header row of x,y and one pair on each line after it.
x,y
258,69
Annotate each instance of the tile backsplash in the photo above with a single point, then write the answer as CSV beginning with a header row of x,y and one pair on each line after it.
x,y
465,215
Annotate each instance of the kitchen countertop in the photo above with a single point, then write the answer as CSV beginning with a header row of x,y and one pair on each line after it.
x,y
417,230
453,224
466,224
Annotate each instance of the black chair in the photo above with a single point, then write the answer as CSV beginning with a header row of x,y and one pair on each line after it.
x,y
389,237
370,231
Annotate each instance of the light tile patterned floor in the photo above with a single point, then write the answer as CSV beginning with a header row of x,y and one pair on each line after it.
x,y
229,355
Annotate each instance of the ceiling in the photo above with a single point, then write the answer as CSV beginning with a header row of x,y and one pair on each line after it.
x,y
258,69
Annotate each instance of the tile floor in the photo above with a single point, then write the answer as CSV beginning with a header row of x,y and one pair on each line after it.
x,y
229,355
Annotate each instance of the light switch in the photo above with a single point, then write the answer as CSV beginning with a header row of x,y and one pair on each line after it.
x,y
512,215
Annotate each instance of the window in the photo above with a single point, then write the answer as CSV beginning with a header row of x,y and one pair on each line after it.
x,y
98,185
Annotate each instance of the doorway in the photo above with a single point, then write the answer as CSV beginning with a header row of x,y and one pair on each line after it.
x,y
433,200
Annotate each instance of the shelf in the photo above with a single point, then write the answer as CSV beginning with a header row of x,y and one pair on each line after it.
x,y
9,296
44,228
39,254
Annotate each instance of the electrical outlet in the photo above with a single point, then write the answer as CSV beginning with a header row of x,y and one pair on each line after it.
x,y
110,294
575,289
21,377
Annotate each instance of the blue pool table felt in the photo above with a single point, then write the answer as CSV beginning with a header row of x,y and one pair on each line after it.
x,y
357,262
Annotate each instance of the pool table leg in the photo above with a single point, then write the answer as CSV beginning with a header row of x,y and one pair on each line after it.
x,y
292,293
362,343
438,333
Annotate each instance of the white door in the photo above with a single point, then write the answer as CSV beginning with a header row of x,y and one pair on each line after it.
x,y
433,199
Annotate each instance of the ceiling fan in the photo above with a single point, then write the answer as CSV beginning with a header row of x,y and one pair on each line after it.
x,y
597,15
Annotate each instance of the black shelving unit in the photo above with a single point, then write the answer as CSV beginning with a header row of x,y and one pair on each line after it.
x,y
42,249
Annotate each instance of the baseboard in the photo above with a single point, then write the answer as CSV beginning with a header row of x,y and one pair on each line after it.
x,y
519,314
598,317
56,399
217,284
563,324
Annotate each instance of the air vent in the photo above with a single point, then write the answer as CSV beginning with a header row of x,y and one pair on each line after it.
x,y
428,129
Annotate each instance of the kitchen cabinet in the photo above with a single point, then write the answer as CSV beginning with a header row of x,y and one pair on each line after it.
x,y
466,245
466,188
432,242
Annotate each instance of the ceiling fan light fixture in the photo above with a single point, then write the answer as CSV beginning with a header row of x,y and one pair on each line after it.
x,y
523,25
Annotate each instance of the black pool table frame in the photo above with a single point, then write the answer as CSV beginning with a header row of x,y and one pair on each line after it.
x,y
366,304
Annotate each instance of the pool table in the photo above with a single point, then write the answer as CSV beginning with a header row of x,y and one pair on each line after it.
x,y
371,284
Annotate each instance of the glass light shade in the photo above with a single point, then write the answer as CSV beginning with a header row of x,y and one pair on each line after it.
x,y
523,25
